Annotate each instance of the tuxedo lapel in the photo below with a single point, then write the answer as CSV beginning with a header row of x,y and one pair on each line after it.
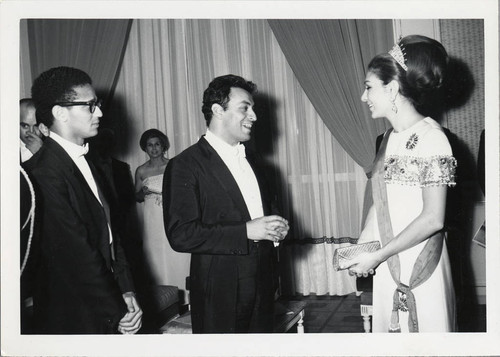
x,y
223,176
82,190
102,190
74,175
264,193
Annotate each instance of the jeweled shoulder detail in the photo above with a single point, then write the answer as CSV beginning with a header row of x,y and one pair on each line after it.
x,y
412,141
417,171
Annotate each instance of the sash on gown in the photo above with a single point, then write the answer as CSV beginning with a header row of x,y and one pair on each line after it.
x,y
426,262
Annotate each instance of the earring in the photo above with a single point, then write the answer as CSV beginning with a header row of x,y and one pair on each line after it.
x,y
394,107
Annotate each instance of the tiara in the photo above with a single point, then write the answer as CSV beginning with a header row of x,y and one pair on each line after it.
x,y
398,54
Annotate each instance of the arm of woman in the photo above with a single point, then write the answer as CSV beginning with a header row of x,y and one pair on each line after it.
x,y
428,222
139,193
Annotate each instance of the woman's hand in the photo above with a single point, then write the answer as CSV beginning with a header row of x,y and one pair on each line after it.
x,y
364,264
141,194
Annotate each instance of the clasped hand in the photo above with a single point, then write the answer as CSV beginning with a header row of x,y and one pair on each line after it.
x,y
362,265
132,321
273,228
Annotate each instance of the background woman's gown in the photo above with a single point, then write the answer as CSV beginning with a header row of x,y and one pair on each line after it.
x,y
416,157
167,267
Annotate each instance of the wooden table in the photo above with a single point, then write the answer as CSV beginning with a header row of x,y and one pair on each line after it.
x,y
287,314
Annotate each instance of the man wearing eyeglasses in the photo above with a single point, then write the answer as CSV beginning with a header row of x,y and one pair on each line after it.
x,y
83,282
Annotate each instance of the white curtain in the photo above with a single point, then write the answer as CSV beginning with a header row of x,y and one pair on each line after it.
x,y
166,67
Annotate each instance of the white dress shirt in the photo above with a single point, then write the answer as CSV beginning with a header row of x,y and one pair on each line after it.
x,y
77,154
235,159
26,154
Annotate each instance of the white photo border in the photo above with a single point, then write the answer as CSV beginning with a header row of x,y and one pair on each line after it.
x,y
454,344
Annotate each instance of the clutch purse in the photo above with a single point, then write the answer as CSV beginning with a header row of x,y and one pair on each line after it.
x,y
342,255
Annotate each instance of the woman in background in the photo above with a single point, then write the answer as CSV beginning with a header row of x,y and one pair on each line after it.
x,y
412,288
166,266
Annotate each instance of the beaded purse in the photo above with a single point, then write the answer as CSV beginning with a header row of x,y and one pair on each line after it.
x,y
342,255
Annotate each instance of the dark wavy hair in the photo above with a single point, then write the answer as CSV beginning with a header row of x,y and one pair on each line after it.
x,y
218,92
56,85
154,133
427,63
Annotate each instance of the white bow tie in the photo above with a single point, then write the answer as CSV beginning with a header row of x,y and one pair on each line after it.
x,y
240,151
84,149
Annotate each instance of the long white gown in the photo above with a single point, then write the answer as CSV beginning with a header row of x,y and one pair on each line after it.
x,y
167,267
417,157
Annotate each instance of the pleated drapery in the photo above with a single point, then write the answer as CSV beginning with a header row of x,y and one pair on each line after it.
x,y
308,108
167,66
95,46
329,59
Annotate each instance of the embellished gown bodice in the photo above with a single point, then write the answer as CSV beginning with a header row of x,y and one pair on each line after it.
x,y
415,158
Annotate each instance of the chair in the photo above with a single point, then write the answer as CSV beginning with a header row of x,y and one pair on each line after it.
x,y
366,311
160,304
364,286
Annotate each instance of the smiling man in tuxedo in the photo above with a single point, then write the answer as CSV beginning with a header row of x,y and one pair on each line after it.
x,y
83,283
217,207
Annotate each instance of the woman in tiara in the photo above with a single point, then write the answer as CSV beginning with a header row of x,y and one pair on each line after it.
x,y
164,265
412,288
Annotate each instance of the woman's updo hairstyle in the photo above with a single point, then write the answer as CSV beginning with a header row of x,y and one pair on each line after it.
x,y
154,133
426,61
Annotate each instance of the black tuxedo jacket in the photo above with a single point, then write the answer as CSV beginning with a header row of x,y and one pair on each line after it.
x,y
205,214
78,285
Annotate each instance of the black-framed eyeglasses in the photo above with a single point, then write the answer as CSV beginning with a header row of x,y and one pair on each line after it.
x,y
92,104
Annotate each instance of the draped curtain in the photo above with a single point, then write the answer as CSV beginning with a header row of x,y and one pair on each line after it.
x,y
329,59
302,101
333,68
166,67
24,61
95,46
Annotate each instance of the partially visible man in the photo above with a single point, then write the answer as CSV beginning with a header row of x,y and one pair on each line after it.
x,y
216,206
83,282
30,135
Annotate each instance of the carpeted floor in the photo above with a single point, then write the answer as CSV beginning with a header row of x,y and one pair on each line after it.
x,y
341,314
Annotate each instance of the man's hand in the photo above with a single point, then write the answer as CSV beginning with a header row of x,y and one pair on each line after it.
x,y
273,228
34,141
132,321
